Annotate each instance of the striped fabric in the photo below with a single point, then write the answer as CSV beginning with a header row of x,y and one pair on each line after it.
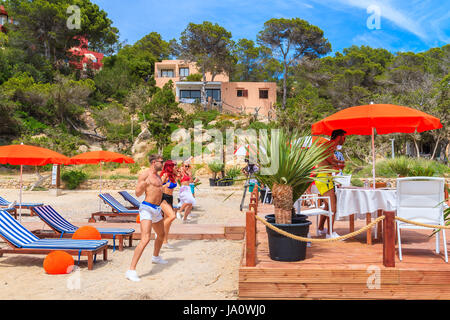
x,y
15,233
54,219
109,199
128,197
4,202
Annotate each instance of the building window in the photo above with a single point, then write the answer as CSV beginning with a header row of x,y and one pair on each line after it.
x,y
214,93
190,94
242,93
184,72
167,73
263,94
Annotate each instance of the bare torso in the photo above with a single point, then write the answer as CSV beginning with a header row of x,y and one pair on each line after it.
x,y
150,183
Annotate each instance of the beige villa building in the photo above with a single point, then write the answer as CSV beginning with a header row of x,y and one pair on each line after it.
x,y
234,97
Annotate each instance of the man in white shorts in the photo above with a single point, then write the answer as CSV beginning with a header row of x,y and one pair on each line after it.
x,y
150,214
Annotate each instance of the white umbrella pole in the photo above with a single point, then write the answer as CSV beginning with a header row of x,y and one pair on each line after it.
x,y
20,195
100,200
373,156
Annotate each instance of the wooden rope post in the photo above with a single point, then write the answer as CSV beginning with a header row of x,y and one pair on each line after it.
x,y
250,238
253,207
389,239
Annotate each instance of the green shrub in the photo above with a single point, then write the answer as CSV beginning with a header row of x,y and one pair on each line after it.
x,y
134,168
233,172
194,77
405,167
122,177
357,182
73,178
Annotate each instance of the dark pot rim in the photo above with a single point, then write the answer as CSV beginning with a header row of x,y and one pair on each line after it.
x,y
303,223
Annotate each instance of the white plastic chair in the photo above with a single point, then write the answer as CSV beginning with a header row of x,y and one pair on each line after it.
x,y
344,181
315,210
268,192
420,199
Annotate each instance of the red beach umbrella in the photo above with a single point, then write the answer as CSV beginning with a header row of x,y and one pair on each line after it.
x,y
25,155
384,118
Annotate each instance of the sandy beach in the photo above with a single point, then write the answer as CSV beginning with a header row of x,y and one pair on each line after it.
x,y
197,269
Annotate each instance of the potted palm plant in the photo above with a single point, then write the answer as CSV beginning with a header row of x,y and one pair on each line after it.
x,y
215,167
291,177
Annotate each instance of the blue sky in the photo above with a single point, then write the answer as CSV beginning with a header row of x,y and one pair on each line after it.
x,y
415,25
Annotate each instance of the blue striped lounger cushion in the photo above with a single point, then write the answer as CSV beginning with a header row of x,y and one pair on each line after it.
x,y
53,218
20,237
115,204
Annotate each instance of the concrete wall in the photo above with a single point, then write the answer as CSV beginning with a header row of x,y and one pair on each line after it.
x,y
252,101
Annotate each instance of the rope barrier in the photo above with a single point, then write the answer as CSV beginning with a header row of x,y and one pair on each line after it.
x,y
344,237
422,224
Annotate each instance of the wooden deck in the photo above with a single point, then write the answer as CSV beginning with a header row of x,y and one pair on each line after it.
x,y
349,269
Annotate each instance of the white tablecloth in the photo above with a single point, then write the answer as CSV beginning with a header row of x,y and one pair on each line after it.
x,y
359,201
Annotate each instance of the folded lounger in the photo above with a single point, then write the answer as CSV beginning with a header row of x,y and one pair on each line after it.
x,y
62,227
29,206
128,197
118,209
23,241
135,202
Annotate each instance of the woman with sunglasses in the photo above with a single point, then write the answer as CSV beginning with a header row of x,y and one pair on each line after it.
x,y
186,197
169,176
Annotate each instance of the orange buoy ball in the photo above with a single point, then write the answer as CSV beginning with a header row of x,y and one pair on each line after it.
x,y
87,233
58,262
138,219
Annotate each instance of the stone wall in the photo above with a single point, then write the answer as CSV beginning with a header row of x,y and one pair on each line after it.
x,y
92,184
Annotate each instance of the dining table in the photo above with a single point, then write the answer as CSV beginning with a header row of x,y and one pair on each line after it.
x,y
363,203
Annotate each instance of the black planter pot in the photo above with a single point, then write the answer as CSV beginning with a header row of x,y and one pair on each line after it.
x,y
212,182
282,248
225,182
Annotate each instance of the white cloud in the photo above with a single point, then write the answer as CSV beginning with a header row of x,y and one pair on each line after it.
x,y
425,19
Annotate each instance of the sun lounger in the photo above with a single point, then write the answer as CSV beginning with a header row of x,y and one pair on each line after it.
x,y
5,203
135,202
64,228
118,210
129,198
23,241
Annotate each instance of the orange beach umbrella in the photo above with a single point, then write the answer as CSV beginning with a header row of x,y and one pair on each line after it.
x,y
20,155
30,155
96,157
384,118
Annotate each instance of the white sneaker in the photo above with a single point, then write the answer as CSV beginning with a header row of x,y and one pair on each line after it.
x,y
159,260
333,235
321,232
132,275
167,246
179,216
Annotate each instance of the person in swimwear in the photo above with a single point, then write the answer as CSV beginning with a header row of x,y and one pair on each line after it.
x,y
186,197
169,178
149,183
325,183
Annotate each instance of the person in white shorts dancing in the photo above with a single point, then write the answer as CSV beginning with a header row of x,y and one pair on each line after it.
x,y
187,200
150,214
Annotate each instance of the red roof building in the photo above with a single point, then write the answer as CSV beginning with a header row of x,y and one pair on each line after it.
x,y
3,18
82,58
